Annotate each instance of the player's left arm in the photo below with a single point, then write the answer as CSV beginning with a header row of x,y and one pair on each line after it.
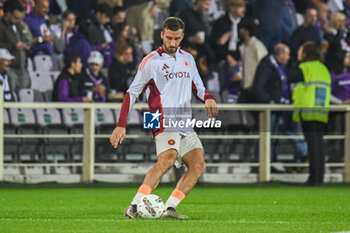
x,y
201,93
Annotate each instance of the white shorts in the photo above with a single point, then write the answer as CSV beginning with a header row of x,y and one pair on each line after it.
x,y
181,143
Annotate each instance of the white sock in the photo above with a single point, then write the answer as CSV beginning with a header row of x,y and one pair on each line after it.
x,y
137,198
172,202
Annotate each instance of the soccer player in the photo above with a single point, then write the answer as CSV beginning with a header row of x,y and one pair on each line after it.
x,y
169,76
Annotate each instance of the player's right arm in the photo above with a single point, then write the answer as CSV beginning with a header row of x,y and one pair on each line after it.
x,y
117,136
144,74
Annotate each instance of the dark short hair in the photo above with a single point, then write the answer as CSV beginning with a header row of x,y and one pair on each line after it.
x,y
66,13
309,7
311,51
173,24
104,8
70,58
250,26
11,6
335,60
118,9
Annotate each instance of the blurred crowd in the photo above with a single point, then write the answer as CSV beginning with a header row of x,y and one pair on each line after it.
x,y
89,50
242,48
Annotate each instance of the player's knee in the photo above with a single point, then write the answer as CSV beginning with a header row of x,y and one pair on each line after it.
x,y
165,164
166,160
198,168
201,167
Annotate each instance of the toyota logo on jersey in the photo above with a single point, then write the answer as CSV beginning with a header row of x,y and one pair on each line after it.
x,y
177,75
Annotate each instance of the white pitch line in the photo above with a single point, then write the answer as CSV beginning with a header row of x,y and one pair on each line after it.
x,y
157,220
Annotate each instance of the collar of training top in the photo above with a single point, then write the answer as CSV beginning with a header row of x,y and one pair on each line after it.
x,y
162,52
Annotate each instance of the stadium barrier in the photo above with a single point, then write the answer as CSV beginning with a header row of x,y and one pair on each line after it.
x,y
89,136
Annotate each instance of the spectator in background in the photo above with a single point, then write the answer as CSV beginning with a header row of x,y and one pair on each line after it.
x,y
270,82
323,19
79,42
94,81
270,21
311,101
252,51
176,6
225,38
305,32
27,5
66,28
43,39
69,85
5,80
271,86
122,69
339,69
119,15
289,20
14,37
337,35
337,38
99,37
196,26
140,18
124,34
340,94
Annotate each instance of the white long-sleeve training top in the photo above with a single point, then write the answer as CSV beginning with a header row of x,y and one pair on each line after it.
x,y
169,82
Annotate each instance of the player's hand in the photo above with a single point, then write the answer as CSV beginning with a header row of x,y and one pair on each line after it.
x,y
117,136
211,108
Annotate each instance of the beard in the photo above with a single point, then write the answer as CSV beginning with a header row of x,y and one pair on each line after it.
x,y
311,24
170,49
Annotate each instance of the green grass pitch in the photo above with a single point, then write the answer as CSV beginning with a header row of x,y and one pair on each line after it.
x,y
237,208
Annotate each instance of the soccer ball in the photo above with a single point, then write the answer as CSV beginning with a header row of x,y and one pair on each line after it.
x,y
150,206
